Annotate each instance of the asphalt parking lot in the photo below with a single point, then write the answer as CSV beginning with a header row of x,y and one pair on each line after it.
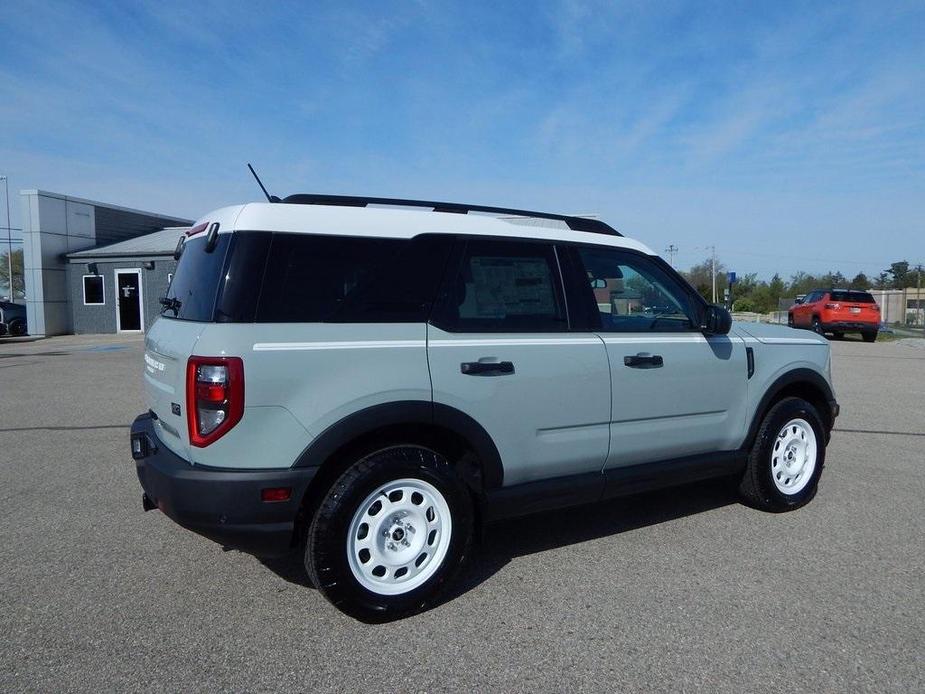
x,y
680,590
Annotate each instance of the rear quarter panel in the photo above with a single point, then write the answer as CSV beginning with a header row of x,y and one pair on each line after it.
x,y
299,379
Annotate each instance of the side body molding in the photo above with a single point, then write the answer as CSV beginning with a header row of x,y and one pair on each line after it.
x,y
407,413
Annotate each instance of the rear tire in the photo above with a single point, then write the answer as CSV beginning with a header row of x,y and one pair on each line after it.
x,y
390,535
817,326
869,335
786,460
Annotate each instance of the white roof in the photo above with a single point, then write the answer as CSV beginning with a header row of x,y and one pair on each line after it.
x,y
389,222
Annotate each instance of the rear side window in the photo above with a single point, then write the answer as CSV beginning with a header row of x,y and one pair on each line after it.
x,y
504,286
852,297
191,294
316,278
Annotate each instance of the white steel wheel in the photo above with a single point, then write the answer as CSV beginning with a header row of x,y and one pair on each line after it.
x,y
399,536
793,456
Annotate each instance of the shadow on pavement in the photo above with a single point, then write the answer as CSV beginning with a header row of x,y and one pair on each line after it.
x,y
503,541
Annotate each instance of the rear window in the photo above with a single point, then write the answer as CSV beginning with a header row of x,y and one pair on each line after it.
x,y
265,277
192,291
852,297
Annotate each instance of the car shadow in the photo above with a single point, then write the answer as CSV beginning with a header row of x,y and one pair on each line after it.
x,y
501,542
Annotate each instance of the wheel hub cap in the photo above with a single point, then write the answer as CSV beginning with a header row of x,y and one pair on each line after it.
x,y
399,536
793,456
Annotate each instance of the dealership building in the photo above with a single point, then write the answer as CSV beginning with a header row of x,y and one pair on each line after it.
x,y
94,267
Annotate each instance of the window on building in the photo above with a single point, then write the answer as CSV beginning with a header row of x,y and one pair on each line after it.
x,y
94,294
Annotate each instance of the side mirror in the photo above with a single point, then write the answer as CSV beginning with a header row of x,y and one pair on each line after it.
x,y
598,284
716,320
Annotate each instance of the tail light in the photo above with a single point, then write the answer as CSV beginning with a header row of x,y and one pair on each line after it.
x,y
214,397
833,307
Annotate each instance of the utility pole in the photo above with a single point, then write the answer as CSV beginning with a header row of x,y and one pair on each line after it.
x,y
671,250
918,293
713,268
9,237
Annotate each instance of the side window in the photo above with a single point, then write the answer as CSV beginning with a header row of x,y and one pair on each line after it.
x,y
505,286
93,290
316,278
633,294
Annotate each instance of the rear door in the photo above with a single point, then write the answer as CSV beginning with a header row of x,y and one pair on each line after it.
x,y
675,391
501,351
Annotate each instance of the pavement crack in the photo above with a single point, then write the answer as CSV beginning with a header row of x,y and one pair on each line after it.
x,y
76,428
881,431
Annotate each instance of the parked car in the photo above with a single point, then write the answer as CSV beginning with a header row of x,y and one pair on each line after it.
x,y
13,318
373,387
837,311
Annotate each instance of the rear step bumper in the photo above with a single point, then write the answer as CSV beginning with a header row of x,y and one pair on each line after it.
x,y
223,505
850,325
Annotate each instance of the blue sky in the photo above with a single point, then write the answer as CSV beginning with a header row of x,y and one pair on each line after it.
x,y
790,135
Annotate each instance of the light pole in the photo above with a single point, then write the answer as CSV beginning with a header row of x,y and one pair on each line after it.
x,y
671,250
9,236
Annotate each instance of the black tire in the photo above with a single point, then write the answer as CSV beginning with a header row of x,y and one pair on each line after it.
x,y
869,335
17,327
326,553
817,326
757,487
789,320
837,336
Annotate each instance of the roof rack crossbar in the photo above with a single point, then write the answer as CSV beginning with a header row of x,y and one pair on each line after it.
x,y
594,226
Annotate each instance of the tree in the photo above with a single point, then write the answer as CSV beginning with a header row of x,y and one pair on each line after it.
x,y
900,275
860,281
19,289
701,278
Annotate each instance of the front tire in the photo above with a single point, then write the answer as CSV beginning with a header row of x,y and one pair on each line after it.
x,y
786,460
391,534
17,328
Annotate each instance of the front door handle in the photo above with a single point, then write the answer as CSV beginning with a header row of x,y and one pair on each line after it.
x,y
487,368
644,360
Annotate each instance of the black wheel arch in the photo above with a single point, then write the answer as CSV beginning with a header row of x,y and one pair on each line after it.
x,y
801,383
442,428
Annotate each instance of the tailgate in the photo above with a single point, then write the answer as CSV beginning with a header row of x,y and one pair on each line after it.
x,y
168,345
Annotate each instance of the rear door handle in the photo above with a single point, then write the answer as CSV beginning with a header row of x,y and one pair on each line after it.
x,y
643,360
487,368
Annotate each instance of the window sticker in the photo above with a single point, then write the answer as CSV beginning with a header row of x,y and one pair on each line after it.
x,y
508,286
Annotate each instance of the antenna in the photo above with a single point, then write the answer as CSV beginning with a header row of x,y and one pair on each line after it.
x,y
270,198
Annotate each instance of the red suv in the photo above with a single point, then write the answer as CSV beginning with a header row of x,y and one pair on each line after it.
x,y
837,311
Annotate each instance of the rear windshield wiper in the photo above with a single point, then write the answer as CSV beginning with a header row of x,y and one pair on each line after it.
x,y
171,304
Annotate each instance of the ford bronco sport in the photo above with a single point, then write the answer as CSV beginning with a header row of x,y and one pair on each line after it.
x,y
370,385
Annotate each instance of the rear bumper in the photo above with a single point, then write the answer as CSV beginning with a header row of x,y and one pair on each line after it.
x,y
846,326
223,505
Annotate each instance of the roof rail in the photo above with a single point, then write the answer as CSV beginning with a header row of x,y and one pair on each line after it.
x,y
594,226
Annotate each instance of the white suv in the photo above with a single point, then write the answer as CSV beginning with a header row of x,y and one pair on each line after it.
x,y
370,384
